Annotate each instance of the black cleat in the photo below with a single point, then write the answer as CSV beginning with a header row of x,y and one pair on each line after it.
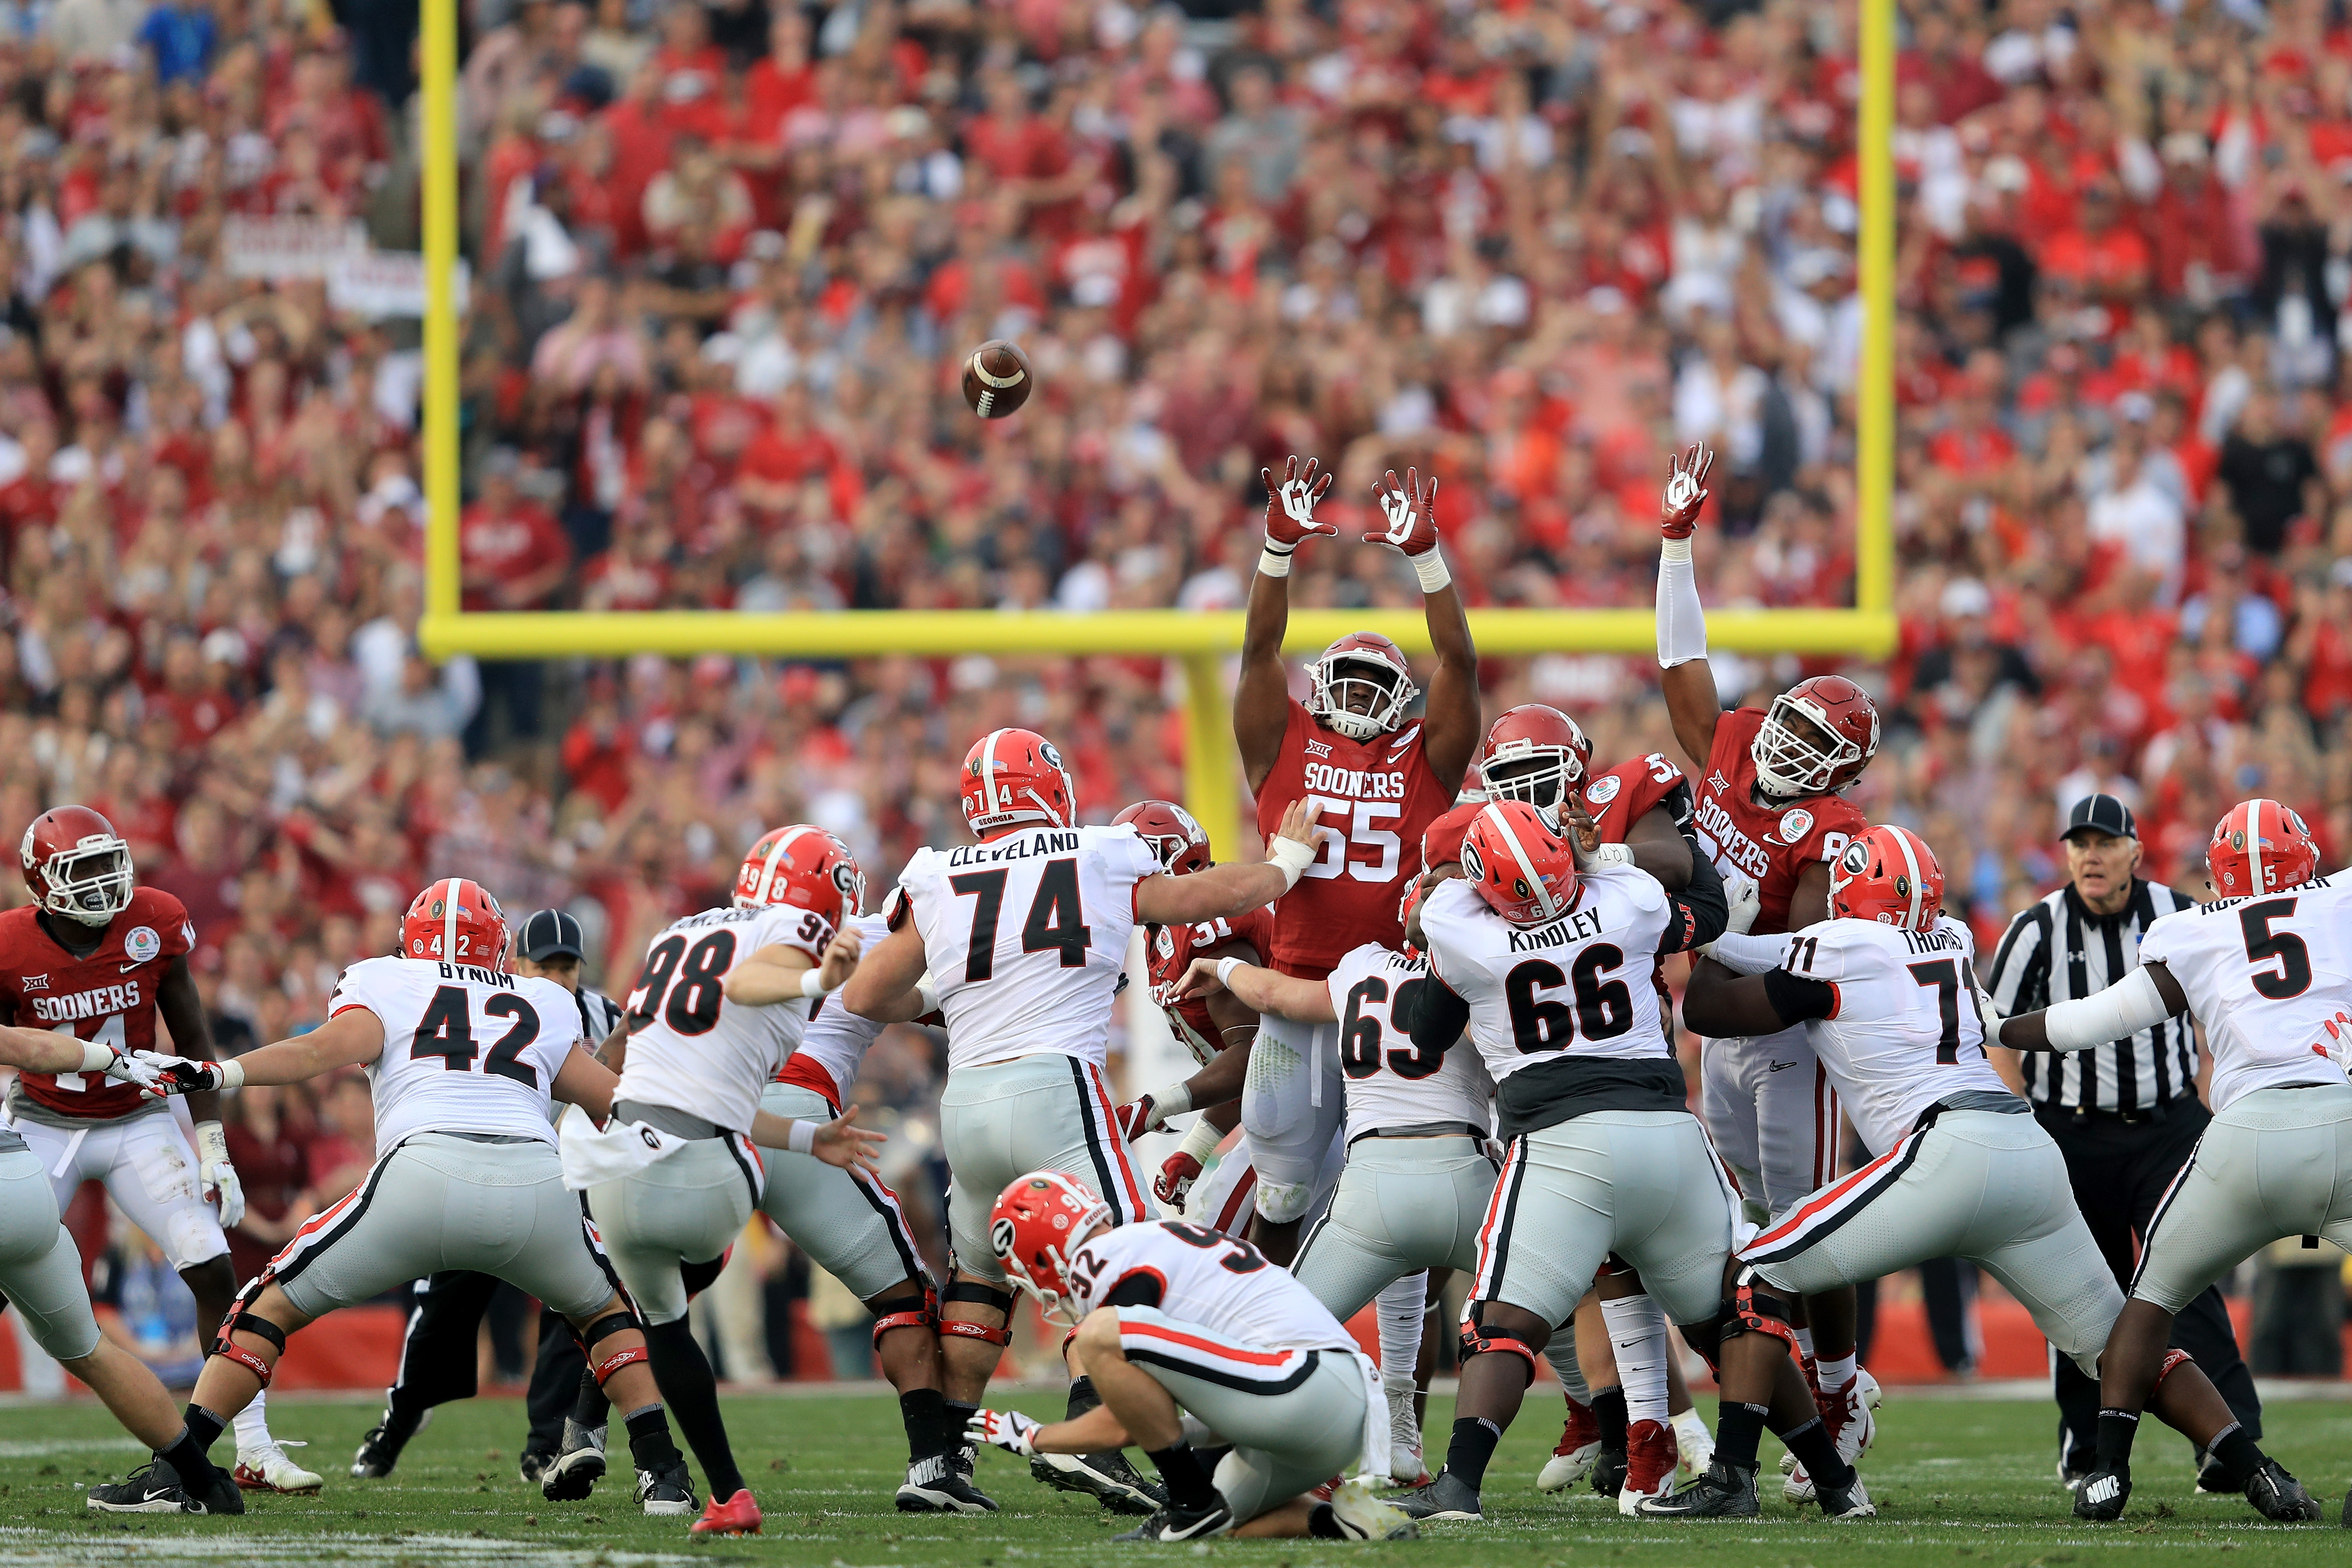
x,y
2279,1497
380,1450
1107,1477
933,1486
156,1488
1180,1524
1848,1501
2213,1478
2102,1496
1448,1499
1726,1491
1609,1471
668,1490
534,1466
573,1473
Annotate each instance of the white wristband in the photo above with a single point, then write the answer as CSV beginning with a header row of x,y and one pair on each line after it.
x,y
1172,1100
1272,562
927,996
1291,858
1225,968
801,1140
1202,1140
1430,566
232,1074
813,982
212,1142
1613,854
97,1056
1677,550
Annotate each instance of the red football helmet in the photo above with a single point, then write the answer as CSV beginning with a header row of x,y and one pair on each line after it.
x,y
1015,776
1037,1221
2261,846
1817,736
805,867
1534,753
77,866
457,922
1366,665
1888,874
1177,841
1523,868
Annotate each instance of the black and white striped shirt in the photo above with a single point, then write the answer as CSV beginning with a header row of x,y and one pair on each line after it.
x,y
2059,950
599,1016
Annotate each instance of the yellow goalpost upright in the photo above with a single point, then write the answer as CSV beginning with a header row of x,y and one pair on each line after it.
x,y
1202,642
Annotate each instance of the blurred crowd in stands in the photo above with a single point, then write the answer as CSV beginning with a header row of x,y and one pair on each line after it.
x,y
726,260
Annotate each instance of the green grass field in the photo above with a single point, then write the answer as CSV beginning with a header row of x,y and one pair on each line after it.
x,y
1956,1480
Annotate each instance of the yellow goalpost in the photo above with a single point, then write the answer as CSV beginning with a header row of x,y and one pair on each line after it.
x,y
1202,642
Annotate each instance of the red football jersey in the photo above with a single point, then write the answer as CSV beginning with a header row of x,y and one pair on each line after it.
x,y
108,996
1622,796
1377,797
1771,844
1172,948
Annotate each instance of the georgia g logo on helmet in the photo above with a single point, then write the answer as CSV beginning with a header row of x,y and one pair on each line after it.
x,y
1473,864
1000,1238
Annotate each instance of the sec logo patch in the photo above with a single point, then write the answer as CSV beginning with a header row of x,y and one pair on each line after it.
x,y
1604,790
1796,825
142,944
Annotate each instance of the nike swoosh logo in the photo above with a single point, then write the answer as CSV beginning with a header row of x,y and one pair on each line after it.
x,y
1778,1066
126,969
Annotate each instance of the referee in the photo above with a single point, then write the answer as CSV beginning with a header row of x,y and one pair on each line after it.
x,y
2127,1113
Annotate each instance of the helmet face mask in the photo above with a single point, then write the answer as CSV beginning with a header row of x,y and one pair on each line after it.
x,y
1816,737
1536,754
1541,777
76,866
1176,839
1361,686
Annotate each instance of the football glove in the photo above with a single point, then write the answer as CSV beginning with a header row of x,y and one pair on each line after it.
x,y
1687,492
178,1075
1177,1174
1290,505
216,1175
1412,511
1007,1429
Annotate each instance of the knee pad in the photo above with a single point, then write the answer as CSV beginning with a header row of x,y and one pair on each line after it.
x,y
241,1318
988,1296
606,1327
920,1311
2172,1359
1478,1340
1749,1311
1280,1203
603,1329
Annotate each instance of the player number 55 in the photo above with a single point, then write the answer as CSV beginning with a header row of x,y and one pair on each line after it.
x,y
1335,858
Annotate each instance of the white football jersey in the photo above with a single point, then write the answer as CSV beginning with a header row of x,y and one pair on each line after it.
x,y
689,1047
1026,936
1905,1032
837,1040
1390,1084
2271,980
1205,1275
464,1049
1577,986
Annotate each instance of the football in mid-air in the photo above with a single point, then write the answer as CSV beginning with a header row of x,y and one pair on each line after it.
x,y
997,379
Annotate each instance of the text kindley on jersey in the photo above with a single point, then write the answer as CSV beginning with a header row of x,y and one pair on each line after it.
x,y
1579,925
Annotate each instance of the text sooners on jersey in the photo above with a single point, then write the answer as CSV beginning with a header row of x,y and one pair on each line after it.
x,y
109,994
1770,845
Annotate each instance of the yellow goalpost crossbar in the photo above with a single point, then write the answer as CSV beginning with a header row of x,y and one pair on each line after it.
x,y
1202,642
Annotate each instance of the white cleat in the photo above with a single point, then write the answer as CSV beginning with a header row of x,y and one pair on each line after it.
x,y
1847,1412
1579,1451
1361,1516
1405,1464
267,1469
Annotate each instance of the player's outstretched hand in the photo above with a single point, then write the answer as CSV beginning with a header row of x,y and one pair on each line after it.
x,y
1412,511
1987,1014
1687,492
1137,1117
1177,1173
1297,822
1745,898
841,1142
841,958
138,1068
1578,824
1199,980
1007,1429
1290,505
177,1074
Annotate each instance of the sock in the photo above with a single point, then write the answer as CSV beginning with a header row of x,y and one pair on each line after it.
x,y
1560,1350
683,1373
186,1456
253,1424
1323,1523
1083,1398
925,1414
588,1407
1401,1313
2117,1430
1834,1374
1637,1332
962,1450
1804,1343
1188,1483
1472,1446
1608,1409
204,1427
1814,1450
1739,1427
2237,1455
650,1444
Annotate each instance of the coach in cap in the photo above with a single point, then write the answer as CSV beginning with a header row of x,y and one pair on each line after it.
x,y
2127,1113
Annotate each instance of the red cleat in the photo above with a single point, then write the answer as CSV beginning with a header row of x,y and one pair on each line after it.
x,y
1579,1450
1650,1455
738,1515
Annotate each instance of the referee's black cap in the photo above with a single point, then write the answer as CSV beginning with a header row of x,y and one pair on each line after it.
x,y
2096,813
549,933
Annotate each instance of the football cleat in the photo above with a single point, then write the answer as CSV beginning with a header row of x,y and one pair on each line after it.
x,y
380,1450
533,1467
2279,1497
668,1492
1851,1500
1404,1439
1173,1524
2102,1496
738,1515
933,1486
1846,1416
1726,1491
2212,1476
1651,1457
156,1488
1609,1469
1109,1479
1695,1447
1580,1448
1448,1499
1361,1516
267,1469
576,1468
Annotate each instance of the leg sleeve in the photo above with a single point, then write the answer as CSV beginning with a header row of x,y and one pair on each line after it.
x,y
1292,1104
